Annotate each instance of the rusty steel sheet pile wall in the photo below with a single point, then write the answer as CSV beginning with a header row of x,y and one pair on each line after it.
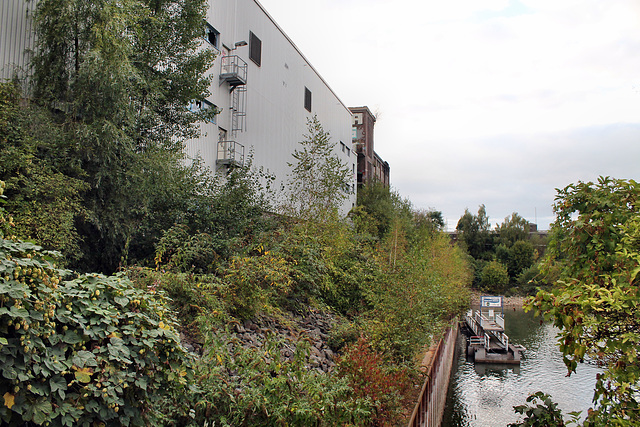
x,y
429,409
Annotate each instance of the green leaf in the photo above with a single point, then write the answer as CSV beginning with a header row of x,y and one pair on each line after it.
x,y
84,358
83,375
40,411
141,382
58,384
122,301
9,372
71,337
19,312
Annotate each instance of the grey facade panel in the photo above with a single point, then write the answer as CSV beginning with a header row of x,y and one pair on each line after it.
x,y
16,37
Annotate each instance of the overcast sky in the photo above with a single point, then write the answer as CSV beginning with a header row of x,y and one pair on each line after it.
x,y
494,102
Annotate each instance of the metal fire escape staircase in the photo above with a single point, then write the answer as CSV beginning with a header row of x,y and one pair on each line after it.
x,y
234,73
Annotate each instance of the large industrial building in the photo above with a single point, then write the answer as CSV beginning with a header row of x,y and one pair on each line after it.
x,y
263,86
266,90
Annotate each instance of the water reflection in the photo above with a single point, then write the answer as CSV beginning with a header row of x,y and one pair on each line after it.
x,y
484,395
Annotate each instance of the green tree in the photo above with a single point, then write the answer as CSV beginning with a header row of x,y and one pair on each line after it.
x,y
494,277
516,258
319,180
521,257
474,232
119,74
429,221
375,208
595,244
513,229
35,163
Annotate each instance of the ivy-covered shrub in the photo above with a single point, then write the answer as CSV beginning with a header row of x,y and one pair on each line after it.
x,y
88,350
259,386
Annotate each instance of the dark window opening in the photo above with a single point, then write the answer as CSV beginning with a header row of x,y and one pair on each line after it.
x,y
307,99
255,49
211,35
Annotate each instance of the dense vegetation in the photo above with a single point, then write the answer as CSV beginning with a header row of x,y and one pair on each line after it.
x,y
129,273
390,292
595,253
505,260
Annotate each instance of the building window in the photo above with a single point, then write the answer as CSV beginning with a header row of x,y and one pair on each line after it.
x,y
255,49
211,35
307,99
196,106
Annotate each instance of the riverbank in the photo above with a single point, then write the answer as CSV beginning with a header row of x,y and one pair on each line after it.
x,y
514,301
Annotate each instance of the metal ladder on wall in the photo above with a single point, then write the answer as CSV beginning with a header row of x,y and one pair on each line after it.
x,y
238,110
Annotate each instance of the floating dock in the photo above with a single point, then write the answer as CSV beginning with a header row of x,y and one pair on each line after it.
x,y
486,340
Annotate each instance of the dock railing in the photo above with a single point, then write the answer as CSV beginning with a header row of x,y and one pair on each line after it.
x,y
500,320
476,340
471,323
503,338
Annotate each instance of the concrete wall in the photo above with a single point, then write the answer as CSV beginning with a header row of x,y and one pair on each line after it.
x,y
438,362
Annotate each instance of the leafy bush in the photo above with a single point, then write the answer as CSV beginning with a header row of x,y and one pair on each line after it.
x,y
517,258
255,281
417,289
88,350
543,414
343,334
372,377
495,277
528,280
259,386
594,252
198,300
182,251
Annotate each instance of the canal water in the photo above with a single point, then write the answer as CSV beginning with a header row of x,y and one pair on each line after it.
x,y
484,395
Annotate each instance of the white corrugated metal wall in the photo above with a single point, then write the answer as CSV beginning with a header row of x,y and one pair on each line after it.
x,y
16,37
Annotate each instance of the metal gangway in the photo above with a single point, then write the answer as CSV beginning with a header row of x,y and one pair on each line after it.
x,y
485,328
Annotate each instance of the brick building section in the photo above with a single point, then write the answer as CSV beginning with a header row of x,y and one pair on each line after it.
x,y
371,167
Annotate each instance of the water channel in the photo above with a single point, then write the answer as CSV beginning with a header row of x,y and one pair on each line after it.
x,y
484,395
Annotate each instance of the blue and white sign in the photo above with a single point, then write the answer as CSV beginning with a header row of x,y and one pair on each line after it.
x,y
489,301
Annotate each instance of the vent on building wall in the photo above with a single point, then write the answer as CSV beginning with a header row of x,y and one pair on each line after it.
x,y
255,49
307,99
